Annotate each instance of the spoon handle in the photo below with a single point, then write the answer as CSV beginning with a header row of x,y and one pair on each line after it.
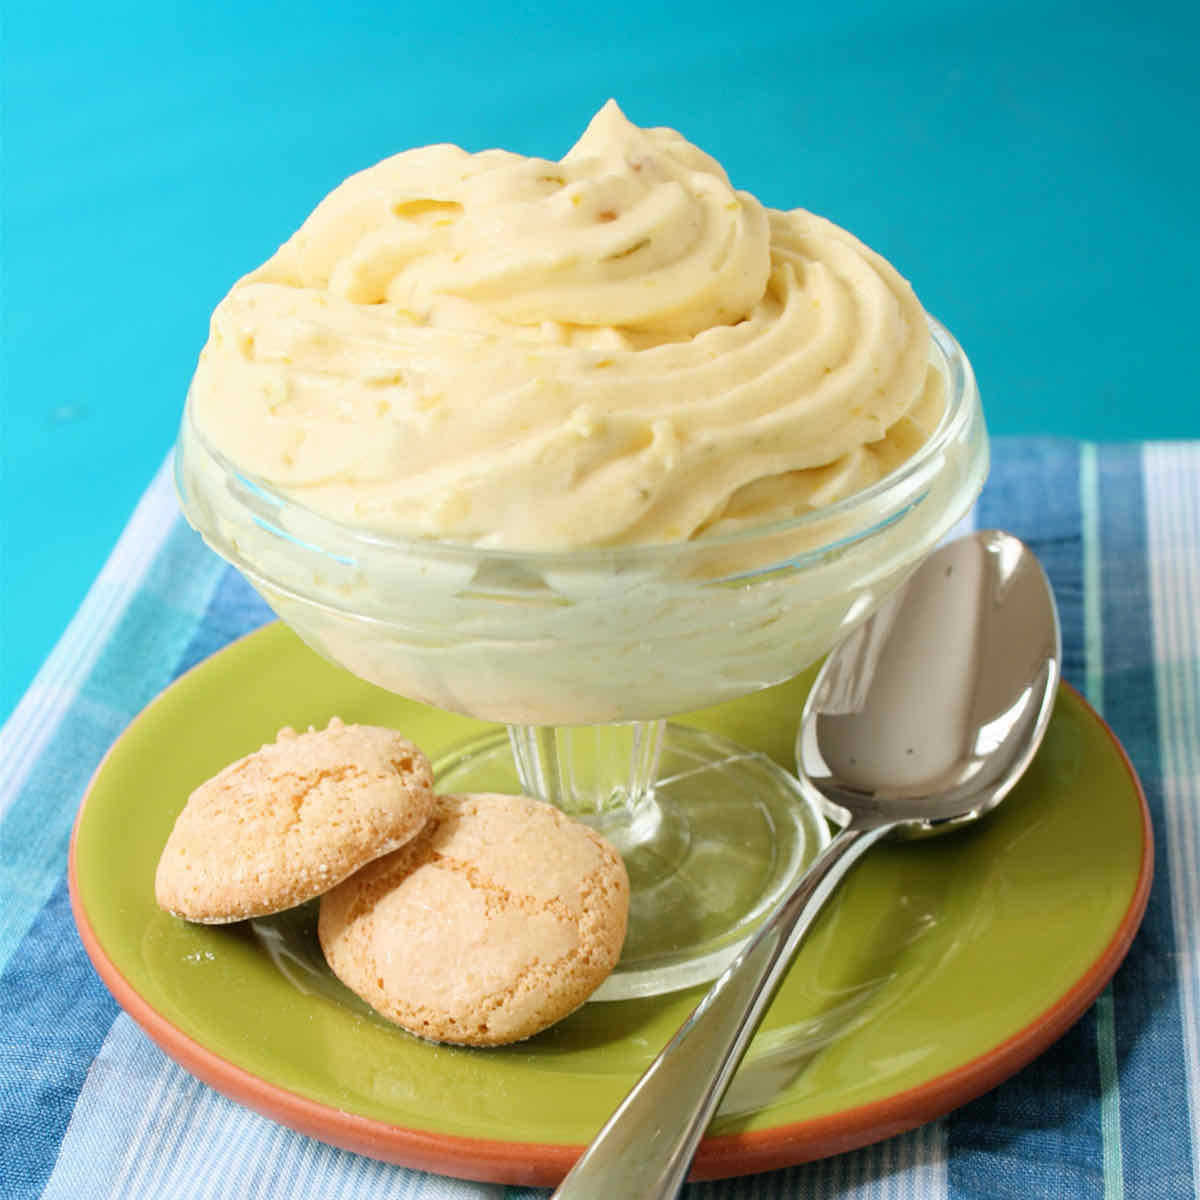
x,y
645,1148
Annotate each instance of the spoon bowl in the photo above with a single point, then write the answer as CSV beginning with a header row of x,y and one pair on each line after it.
x,y
920,722
929,713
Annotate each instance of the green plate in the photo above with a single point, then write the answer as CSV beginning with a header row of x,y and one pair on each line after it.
x,y
940,968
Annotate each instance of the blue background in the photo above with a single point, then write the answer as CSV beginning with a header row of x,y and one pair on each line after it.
x,y
1031,167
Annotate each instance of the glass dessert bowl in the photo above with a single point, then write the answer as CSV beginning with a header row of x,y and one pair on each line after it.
x,y
583,654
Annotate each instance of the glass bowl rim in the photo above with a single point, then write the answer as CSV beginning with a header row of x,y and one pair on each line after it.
x,y
960,411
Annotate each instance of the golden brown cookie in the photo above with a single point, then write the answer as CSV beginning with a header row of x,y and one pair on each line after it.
x,y
501,917
291,820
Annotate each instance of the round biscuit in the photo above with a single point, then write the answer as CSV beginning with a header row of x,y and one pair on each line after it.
x,y
501,917
291,820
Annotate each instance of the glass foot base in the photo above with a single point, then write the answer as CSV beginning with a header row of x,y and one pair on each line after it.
x,y
711,847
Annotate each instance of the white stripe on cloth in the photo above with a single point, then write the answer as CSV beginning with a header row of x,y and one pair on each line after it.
x,y
118,652
1172,482
143,1129
910,1166
38,713
1093,672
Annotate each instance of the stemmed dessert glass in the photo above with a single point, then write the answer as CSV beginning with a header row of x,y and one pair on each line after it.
x,y
581,656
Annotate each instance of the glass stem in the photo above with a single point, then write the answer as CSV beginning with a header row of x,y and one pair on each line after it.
x,y
600,774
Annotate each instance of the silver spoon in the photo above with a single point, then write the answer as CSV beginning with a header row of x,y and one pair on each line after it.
x,y
920,722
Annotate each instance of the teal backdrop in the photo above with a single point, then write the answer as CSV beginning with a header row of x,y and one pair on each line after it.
x,y
1031,167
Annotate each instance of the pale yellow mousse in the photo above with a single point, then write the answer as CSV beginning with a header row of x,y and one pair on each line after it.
x,y
618,347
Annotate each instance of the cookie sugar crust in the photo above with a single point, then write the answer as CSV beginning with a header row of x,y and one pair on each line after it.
x,y
288,822
498,920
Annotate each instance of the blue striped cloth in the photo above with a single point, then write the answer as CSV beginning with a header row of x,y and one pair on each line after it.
x,y
90,1108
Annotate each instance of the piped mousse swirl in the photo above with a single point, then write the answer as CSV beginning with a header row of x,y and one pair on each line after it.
x,y
618,347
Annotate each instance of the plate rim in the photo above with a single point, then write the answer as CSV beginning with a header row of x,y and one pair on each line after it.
x,y
543,1164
